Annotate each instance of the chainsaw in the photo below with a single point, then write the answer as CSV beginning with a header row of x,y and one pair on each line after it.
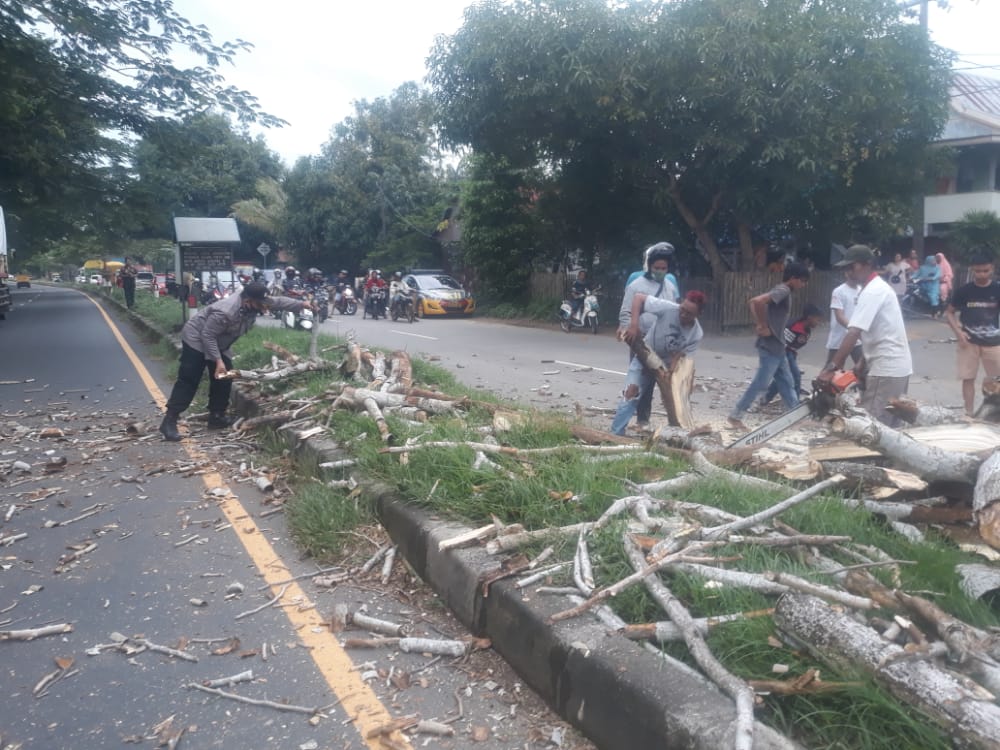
x,y
818,405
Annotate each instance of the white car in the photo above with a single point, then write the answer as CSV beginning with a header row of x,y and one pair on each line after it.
x,y
81,279
95,278
144,280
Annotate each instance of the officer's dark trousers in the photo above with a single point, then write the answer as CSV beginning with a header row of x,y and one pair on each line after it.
x,y
193,364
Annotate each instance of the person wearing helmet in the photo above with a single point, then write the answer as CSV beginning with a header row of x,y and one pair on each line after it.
x,y
653,282
256,274
399,293
342,282
292,280
375,304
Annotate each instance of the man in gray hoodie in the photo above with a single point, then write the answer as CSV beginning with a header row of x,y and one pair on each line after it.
x,y
205,342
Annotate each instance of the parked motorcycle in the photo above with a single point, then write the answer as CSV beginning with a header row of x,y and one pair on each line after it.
x,y
346,303
585,318
375,301
403,306
915,303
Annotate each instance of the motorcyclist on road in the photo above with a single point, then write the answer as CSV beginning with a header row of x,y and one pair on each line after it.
x,y
398,291
342,282
372,283
314,280
256,274
292,281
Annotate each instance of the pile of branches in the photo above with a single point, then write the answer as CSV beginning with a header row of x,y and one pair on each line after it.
x,y
946,668
375,383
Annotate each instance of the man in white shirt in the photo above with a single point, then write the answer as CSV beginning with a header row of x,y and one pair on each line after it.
x,y
842,303
878,323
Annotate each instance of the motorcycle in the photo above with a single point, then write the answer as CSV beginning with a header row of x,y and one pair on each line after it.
x,y
375,303
586,317
915,303
304,319
404,306
346,303
320,297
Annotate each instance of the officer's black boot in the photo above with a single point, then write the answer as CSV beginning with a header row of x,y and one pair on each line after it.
x,y
217,420
169,427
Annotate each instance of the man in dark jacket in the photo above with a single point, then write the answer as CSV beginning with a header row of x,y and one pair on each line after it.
x,y
206,339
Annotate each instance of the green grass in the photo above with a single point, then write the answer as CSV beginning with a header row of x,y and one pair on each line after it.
x,y
532,490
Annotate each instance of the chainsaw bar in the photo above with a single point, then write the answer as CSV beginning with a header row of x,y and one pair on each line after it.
x,y
767,431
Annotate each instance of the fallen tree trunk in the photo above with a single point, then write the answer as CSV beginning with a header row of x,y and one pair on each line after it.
x,y
966,714
400,373
310,365
984,500
924,415
877,475
929,460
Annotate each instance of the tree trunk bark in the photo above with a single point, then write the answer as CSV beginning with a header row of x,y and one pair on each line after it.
x,y
842,641
674,381
746,246
927,460
984,500
923,415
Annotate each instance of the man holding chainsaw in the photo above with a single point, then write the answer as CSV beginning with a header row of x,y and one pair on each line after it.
x,y
877,322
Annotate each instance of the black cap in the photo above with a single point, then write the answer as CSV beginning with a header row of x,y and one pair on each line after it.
x,y
856,254
255,290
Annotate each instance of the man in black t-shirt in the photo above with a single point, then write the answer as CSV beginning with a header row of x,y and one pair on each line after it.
x,y
977,327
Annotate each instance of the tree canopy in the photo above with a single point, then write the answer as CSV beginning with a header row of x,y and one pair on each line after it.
x,y
376,192
729,112
79,77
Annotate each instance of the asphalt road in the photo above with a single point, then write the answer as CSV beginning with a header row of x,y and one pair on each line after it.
x,y
123,536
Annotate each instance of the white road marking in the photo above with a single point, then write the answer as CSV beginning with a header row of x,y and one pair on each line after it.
x,y
417,335
577,364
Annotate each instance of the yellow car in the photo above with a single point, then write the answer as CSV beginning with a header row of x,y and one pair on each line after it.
x,y
440,294
23,281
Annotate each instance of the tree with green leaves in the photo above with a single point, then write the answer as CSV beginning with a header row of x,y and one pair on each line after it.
x,y
79,78
200,166
376,192
976,231
731,113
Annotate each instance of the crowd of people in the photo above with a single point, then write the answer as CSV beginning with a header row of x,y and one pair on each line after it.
x,y
866,321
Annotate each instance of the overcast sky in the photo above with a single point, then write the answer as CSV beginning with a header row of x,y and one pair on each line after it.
x,y
311,58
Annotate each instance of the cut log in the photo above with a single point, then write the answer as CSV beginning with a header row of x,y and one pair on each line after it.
x,y
967,437
977,579
930,461
989,410
984,500
876,475
924,415
400,373
678,399
675,382
590,436
968,715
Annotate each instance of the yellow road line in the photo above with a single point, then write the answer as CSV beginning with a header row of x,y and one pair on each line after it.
x,y
357,699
